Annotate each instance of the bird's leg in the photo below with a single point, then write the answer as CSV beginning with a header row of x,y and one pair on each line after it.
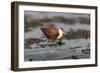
x,y
48,42
55,43
59,42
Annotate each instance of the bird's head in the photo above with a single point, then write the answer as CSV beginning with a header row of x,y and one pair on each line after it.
x,y
61,28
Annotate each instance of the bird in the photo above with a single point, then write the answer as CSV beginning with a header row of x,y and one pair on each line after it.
x,y
53,33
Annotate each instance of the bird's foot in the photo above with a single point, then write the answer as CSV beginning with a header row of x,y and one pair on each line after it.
x,y
60,43
54,44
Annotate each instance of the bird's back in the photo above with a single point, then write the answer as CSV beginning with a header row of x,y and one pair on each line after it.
x,y
50,32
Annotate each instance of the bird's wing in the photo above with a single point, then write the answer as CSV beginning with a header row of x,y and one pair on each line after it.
x,y
51,33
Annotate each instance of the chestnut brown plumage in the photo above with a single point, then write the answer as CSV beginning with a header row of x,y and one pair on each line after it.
x,y
53,33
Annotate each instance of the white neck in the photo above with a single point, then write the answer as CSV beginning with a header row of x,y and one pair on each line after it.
x,y
60,34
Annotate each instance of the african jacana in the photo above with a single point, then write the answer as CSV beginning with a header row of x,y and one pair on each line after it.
x,y
53,33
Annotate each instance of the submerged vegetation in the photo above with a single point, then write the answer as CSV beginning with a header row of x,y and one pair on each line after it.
x,y
72,34
78,34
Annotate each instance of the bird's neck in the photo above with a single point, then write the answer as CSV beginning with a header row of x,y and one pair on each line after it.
x,y
60,34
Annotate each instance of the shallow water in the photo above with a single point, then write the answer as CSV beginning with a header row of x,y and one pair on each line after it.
x,y
72,49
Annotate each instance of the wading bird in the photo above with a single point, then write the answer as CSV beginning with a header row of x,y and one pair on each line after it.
x,y
53,34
